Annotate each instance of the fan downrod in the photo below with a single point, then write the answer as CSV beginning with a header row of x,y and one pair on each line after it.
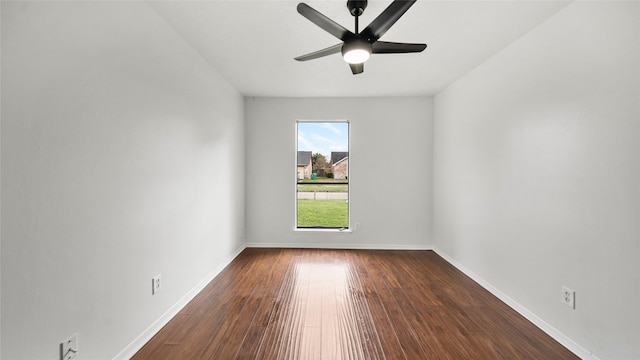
x,y
356,7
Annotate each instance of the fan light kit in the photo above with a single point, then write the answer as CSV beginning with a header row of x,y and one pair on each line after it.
x,y
356,52
357,47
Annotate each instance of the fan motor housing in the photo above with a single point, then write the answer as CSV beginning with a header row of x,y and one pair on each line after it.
x,y
356,7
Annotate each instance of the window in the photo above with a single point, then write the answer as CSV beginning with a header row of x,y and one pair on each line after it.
x,y
322,175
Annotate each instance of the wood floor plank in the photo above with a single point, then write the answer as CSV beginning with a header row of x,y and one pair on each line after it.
x,y
300,304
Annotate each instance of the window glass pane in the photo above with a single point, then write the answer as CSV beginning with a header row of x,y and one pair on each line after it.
x,y
322,175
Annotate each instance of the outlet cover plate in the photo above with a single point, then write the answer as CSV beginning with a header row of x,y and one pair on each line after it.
x,y
569,297
156,284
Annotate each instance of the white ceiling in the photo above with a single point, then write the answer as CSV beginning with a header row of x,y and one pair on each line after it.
x,y
253,43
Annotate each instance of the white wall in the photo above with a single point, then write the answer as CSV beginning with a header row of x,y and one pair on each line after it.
x,y
536,173
122,158
0,193
389,161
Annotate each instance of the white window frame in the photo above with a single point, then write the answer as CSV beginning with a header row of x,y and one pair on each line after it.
x,y
349,228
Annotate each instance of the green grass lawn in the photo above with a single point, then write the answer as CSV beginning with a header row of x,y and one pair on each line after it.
x,y
322,179
323,213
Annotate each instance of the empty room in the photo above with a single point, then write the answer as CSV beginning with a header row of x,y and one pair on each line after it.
x,y
339,179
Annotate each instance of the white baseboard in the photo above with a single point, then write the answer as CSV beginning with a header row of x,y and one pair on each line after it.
x,y
146,335
341,246
537,321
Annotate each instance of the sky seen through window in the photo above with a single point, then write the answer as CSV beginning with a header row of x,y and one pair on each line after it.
x,y
323,137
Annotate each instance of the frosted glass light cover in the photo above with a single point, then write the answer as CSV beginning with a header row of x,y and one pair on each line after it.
x,y
356,56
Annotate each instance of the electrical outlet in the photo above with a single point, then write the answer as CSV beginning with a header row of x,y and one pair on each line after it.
x,y
569,297
69,348
156,284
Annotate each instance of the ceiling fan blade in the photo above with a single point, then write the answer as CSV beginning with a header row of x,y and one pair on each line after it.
x,y
324,22
357,68
320,53
385,47
386,19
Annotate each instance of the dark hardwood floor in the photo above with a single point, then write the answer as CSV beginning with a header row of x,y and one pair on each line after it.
x,y
347,304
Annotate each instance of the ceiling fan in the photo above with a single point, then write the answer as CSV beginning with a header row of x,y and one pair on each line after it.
x,y
356,47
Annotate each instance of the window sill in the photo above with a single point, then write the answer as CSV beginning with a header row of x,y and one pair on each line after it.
x,y
346,230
